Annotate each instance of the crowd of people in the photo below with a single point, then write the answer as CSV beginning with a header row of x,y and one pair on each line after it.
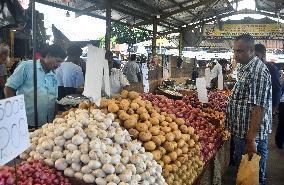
x,y
59,73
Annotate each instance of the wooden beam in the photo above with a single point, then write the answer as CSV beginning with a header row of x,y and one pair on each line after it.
x,y
154,39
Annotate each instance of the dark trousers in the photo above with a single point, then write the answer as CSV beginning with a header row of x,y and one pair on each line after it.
x,y
279,137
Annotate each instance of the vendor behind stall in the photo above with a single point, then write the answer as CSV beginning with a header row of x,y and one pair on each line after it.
x,y
21,82
132,70
73,55
118,80
217,69
4,55
70,78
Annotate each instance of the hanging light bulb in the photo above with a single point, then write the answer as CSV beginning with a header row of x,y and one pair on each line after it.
x,y
67,14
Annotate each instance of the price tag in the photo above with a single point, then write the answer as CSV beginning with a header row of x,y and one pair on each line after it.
x,y
220,82
201,90
207,77
14,133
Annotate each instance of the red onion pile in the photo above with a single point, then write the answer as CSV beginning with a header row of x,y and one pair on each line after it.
x,y
32,173
217,101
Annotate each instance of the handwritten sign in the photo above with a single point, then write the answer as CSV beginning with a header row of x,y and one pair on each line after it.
x,y
201,90
14,133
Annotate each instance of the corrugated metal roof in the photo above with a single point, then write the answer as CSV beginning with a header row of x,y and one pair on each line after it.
x,y
170,14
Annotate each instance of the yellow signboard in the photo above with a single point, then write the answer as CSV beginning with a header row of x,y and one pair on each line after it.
x,y
273,31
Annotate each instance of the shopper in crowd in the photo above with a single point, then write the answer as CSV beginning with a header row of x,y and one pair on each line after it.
x,y
279,137
132,70
118,80
179,62
21,82
73,55
249,110
70,78
4,57
216,70
260,52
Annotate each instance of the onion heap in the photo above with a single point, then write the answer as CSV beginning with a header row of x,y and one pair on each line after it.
x,y
32,173
173,144
217,100
90,146
210,137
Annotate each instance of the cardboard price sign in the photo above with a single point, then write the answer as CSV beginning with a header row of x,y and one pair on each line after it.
x,y
14,133
201,90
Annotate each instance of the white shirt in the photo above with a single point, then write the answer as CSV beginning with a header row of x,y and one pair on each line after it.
x,y
69,75
217,69
117,81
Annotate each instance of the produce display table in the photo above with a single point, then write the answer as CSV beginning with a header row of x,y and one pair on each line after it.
x,y
216,167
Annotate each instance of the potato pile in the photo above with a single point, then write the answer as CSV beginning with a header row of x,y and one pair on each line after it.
x,y
173,144
90,146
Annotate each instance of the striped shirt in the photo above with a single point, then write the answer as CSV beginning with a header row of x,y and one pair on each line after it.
x,y
253,88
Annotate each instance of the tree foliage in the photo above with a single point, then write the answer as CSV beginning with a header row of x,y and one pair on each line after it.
x,y
124,34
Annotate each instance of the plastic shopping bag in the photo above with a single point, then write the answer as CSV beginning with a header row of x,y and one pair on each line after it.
x,y
248,173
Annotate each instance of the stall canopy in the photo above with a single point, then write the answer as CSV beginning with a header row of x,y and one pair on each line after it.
x,y
170,15
11,13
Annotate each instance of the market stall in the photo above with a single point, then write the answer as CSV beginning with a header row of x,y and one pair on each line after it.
x,y
132,138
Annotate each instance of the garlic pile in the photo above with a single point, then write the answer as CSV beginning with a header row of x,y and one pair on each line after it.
x,y
90,146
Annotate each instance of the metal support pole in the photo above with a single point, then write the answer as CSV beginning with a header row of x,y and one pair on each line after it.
x,y
154,40
108,28
34,62
180,44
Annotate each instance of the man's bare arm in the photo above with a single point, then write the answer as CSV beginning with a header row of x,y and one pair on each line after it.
x,y
9,92
255,122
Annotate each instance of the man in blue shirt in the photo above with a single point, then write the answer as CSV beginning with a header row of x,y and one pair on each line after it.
x,y
70,76
260,52
21,82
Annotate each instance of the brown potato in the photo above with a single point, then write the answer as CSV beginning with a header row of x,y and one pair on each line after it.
x,y
183,129
149,146
124,104
130,123
156,140
154,120
141,110
144,116
145,136
134,106
141,127
157,155
134,133
169,119
180,121
124,94
133,95
169,146
155,130
170,136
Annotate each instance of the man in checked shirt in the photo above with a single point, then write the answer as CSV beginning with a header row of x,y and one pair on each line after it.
x,y
249,111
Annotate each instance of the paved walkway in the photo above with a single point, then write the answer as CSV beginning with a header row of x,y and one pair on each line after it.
x,y
275,166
